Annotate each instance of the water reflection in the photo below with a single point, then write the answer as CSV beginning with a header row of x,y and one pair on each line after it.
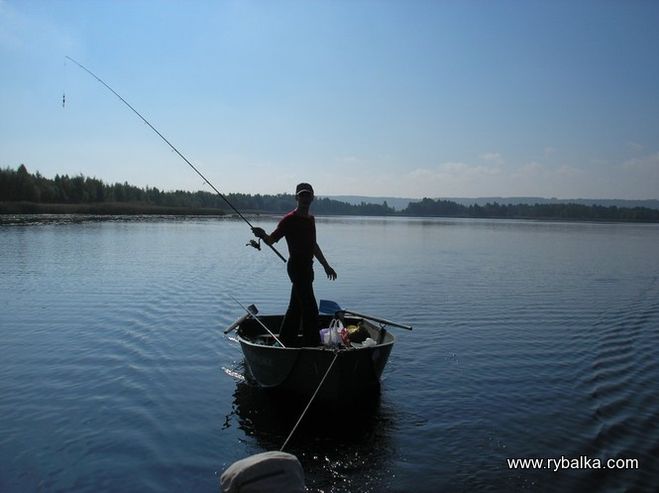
x,y
552,330
342,446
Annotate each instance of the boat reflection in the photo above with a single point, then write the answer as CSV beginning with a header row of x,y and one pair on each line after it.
x,y
342,446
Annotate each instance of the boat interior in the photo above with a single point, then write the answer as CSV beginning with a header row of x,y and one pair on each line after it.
x,y
252,331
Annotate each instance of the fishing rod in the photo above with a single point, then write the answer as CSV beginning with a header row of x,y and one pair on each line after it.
x,y
175,150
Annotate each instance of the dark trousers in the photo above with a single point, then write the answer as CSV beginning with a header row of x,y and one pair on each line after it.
x,y
302,308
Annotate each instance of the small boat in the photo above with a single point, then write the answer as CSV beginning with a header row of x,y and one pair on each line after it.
x,y
356,370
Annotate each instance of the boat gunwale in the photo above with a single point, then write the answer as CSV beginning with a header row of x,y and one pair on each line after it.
x,y
339,349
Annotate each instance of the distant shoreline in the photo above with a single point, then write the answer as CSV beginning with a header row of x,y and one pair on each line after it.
x,y
24,193
139,209
106,208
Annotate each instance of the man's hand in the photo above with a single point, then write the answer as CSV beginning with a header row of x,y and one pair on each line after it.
x,y
331,274
259,233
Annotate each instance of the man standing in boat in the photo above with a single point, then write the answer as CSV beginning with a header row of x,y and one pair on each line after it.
x,y
299,229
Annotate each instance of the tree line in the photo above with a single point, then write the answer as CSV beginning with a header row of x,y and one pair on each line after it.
x,y
22,186
594,212
19,185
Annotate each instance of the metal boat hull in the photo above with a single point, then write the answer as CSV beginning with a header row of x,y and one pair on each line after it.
x,y
300,370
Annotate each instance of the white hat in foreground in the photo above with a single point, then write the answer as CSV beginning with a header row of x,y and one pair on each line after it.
x,y
265,472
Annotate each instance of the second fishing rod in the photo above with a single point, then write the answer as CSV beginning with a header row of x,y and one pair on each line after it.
x,y
173,148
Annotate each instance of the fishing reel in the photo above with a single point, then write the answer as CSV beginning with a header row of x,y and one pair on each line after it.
x,y
255,244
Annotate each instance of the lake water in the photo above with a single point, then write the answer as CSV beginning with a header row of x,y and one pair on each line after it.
x,y
531,340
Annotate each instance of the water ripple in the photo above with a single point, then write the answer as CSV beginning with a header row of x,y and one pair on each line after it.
x,y
527,342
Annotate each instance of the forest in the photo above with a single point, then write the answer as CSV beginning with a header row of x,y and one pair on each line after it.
x,y
594,212
22,191
20,186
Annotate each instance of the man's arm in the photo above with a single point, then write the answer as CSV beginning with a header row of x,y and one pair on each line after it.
x,y
331,274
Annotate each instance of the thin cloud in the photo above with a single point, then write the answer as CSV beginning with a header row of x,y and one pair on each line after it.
x,y
456,171
494,157
631,179
351,160
640,174
530,169
569,171
645,163
450,178
635,146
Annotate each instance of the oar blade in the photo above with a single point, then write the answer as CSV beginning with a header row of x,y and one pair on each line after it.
x,y
329,307
252,310
332,308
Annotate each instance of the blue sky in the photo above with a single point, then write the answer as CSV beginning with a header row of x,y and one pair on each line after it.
x,y
389,98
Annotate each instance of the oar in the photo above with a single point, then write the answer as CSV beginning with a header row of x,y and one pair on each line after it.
x,y
234,325
331,307
252,311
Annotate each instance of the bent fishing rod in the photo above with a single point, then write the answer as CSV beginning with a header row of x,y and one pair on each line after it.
x,y
175,150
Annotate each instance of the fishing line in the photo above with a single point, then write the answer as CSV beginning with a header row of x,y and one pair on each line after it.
x,y
170,145
336,355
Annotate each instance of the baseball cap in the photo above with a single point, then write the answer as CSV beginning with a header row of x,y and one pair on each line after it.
x,y
303,187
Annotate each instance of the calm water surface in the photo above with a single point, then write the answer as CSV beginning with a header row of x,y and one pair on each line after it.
x,y
531,340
